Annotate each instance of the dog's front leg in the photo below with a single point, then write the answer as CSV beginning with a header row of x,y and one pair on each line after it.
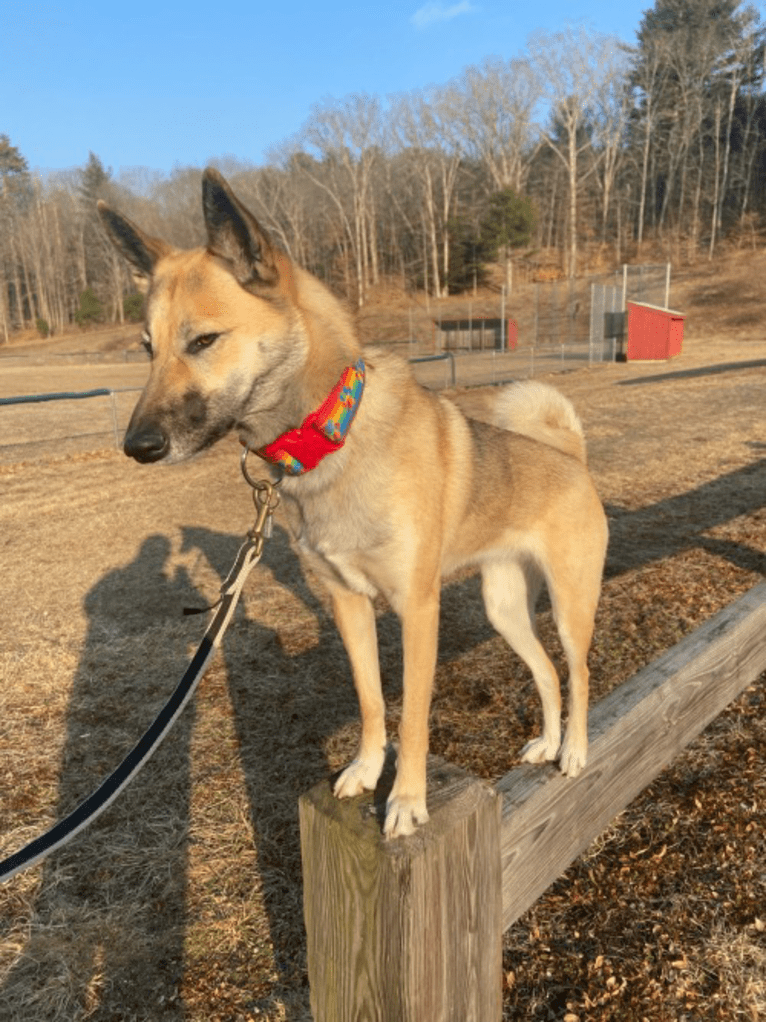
x,y
355,618
406,806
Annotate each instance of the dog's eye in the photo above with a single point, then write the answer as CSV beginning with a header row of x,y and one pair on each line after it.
x,y
201,342
146,341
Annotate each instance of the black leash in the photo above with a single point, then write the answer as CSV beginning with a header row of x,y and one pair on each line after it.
x,y
266,500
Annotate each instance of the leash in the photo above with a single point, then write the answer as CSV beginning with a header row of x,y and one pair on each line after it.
x,y
266,499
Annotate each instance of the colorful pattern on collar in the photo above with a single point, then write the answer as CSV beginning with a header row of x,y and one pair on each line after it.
x,y
322,431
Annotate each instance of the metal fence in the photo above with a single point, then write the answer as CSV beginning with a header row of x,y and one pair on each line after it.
x,y
650,284
36,426
62,358
66,422
607,322
475,369
557,326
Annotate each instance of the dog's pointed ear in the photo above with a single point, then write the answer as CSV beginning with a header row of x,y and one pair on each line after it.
x,y
141,250
234,234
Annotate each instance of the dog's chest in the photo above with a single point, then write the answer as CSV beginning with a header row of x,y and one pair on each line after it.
x,y
339,542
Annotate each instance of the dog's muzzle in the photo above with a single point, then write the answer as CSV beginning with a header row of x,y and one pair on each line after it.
x,y
147,444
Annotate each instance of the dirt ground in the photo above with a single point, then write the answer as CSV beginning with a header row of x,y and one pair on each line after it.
x,y
183,901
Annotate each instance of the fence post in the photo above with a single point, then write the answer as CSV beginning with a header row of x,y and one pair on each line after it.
x,y
113,398
407,930
502,318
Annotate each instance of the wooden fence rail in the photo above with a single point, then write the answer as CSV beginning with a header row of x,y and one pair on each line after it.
x,y
410,930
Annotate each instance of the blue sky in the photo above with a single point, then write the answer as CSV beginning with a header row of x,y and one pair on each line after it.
x,y
150,84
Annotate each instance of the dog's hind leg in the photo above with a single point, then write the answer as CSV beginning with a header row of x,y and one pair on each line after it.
x,y
355,618
574,597
510,590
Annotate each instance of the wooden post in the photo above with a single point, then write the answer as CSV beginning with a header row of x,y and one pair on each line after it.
x,y
407,930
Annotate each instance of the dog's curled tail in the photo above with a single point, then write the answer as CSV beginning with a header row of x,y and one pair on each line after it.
x,y
536,410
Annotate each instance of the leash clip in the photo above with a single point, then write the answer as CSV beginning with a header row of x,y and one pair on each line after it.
x,y
266,500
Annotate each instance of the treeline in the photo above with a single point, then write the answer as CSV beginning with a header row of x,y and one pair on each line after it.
x,y
662,141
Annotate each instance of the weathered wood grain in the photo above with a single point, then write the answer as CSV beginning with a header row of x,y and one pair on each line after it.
x,y
410,929
634,732
407,930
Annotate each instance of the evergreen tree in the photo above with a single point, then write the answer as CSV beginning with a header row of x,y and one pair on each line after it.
x,y
15,196
94,180
15,181
508,224
97,256
469,254
90,309
509,221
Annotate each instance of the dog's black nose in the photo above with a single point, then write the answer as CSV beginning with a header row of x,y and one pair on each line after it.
x,y
148,444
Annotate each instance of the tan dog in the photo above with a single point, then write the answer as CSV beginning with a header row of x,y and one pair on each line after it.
x,y
241,339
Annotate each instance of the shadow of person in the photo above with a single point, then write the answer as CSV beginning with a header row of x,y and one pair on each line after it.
x,y
107,935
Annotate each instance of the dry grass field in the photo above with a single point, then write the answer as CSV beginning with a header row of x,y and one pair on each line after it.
x,y
183,901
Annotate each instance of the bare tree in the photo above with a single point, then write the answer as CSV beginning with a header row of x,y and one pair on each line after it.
x,y
752,139
691,70
737,66
610,121
647,79
349,137
422,128
573,67
492,107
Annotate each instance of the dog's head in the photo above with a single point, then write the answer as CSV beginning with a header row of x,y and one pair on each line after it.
x,y
222,330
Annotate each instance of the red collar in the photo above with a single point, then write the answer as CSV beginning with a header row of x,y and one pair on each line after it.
x,y
322,431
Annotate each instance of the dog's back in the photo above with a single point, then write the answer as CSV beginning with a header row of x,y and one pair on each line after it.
x,y
538,411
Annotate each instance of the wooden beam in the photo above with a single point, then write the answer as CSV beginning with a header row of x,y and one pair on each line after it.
x,y
405,930
634,732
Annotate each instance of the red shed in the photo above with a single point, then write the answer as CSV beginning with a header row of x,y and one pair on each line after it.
x,y
653,333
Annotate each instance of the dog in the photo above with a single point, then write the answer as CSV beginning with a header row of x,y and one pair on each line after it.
x,y
408,490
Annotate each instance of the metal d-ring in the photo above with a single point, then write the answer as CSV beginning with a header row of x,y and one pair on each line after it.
x,y
243,465
257,484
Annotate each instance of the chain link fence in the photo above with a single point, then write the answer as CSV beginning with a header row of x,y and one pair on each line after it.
x,y
540,328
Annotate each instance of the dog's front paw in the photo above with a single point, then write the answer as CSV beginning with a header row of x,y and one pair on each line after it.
x,y
403,814
573,755
360,775
540,750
